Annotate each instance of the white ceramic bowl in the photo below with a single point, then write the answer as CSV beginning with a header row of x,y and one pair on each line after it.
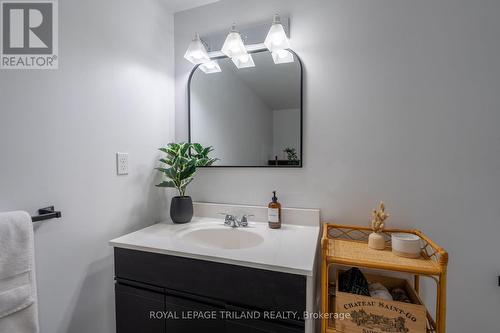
x,y
406,245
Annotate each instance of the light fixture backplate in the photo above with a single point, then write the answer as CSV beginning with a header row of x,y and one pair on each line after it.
x,y
251,34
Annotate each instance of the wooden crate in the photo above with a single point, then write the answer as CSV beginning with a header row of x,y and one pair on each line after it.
x,y
373,315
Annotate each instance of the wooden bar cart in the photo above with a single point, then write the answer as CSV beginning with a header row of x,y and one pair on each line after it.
x,y
348,246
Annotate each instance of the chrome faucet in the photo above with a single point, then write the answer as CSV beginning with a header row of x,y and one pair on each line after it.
x,y
233,221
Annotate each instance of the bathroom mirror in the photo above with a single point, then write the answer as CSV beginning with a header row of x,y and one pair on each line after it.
x,y
251,116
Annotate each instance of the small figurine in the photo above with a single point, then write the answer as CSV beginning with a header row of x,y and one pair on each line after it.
x,y
376,240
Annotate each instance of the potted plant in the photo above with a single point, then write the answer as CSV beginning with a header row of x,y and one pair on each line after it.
x,y
291,154
376,240
181,161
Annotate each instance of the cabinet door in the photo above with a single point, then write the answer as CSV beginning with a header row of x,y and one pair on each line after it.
x,y
257,326
134,307
193,314
260,325
255,288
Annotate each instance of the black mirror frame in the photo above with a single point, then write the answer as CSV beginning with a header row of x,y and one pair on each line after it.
x,y
301,157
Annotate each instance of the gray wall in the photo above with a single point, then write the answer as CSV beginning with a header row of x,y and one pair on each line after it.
x,y
59,131
402,105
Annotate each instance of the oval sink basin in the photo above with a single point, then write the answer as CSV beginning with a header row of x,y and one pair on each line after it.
x,y
223,238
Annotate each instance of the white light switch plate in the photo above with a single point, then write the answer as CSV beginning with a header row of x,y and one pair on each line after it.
x,y
122,163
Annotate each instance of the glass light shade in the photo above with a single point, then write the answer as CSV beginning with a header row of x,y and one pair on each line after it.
x,y
276,37
233,45
196,52
282,56
210,67
243,61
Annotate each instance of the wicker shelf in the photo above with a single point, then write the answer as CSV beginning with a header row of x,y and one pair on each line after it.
x,y
348,251
347,246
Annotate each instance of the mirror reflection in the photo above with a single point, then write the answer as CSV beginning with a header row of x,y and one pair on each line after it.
x,y
252,116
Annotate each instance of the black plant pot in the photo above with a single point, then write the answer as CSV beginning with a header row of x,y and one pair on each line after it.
x,y
181,209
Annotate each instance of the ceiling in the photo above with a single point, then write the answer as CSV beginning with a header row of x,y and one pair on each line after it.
x,y
180,5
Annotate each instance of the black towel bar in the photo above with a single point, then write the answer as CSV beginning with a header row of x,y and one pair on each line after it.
x,y
46,213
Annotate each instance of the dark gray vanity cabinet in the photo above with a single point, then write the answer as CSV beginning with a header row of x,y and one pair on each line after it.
x,y
255,326
179,305
133,306
158,293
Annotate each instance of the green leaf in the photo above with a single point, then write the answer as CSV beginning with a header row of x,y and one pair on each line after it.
x,y
211,161
186,182
173,146
202,162
183,160
207,151
197,147
169,152
169,172
168,162
184,149
167,184
176,164
189,170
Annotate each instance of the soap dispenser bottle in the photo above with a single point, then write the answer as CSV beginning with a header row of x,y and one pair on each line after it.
x,y
274,213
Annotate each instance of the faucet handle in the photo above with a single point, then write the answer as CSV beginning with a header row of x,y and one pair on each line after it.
x,y
228,218
244,220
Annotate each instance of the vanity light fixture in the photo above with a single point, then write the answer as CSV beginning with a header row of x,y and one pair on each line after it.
x,y
276,42
276,37
233,45
196,52
282,56
243,61
211,67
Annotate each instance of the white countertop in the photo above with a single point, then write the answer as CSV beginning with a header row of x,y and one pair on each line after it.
x,y
291,249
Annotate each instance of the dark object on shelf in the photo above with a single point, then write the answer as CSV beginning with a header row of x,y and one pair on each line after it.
x,y
46,213
283,162
353,281
181,209
400,295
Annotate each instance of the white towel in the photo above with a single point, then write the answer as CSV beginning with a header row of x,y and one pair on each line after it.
x,y
18,302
